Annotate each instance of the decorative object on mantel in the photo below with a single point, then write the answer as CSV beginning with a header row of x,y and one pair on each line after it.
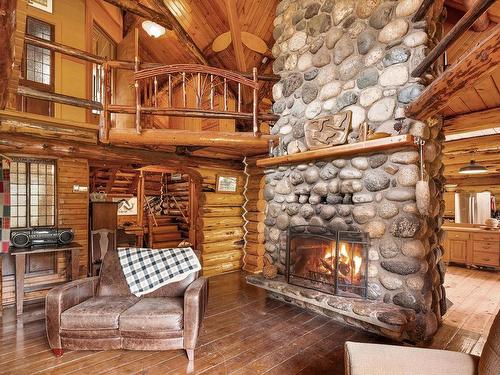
x,y
328,131
422,191
372,135
269,271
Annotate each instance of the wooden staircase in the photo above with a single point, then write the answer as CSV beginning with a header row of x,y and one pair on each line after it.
x,y
165,233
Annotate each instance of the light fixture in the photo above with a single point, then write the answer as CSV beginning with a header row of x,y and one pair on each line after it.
x,y
473,168
153,29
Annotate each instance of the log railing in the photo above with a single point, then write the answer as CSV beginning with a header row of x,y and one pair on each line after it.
x,y
150,79
207,83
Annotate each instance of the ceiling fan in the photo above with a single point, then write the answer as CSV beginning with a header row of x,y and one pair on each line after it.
x,y
250,40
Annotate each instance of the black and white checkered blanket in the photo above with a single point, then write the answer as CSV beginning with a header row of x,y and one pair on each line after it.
x,y
149,269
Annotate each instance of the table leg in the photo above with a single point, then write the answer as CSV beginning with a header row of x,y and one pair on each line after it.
x,y
20,270
75,264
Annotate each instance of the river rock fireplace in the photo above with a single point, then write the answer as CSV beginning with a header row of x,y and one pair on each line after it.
x,y
335,263
353,60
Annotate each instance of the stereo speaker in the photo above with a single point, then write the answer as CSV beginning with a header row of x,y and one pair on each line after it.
x,y
41,236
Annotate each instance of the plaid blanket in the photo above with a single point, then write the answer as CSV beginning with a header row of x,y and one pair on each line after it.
x,y
149,269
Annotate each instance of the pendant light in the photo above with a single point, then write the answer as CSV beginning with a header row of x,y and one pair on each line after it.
x,y
473,168
153,29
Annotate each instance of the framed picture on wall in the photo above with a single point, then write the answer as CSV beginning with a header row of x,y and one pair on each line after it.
x,y
226,184
126,206
45,5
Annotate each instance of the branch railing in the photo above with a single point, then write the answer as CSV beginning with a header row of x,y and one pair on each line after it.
x,y
209,86
152,78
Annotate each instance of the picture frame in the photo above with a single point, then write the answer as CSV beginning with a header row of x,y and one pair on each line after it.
x,y
126,206
226,184
45,5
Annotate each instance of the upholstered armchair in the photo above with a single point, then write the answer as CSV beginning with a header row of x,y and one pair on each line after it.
x,y
375,359
100,313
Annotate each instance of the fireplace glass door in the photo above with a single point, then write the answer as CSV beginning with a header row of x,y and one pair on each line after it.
x,y
334,263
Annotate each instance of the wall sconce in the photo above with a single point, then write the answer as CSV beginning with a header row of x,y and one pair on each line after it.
x,y
153,29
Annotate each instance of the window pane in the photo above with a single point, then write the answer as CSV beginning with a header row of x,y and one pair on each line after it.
x,y
39,194
38,59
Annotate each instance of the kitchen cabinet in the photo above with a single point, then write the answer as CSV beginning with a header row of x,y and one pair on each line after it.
x,y
449,204
472,247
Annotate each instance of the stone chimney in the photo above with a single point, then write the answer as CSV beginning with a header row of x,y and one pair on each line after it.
x,y
357,56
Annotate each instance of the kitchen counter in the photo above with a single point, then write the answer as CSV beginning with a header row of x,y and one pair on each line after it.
x,y
472,245
468,228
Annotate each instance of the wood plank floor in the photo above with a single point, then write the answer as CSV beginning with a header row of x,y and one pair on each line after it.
x,y
246,333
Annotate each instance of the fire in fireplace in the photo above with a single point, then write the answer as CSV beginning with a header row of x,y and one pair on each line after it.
x,y
330,262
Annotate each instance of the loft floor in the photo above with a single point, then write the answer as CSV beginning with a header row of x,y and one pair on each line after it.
x,y
245,333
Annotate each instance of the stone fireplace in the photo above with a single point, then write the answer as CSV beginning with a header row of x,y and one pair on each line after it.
x,y
356,57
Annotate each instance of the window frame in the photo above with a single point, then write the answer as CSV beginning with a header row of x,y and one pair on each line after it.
x,y
23,79
29,161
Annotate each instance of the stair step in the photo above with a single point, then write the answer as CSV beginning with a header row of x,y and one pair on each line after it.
x,y
164,244
165,229
167,237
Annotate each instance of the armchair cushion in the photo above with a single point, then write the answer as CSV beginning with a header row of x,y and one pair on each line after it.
x,y
376,359
154,315
96,313
195,304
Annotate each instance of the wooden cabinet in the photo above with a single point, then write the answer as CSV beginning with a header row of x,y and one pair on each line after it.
x,y
472,248
104,215
449,204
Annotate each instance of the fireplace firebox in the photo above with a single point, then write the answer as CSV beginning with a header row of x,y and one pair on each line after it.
x,y
330,262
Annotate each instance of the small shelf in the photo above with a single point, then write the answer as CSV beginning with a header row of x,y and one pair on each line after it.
x,y
381,144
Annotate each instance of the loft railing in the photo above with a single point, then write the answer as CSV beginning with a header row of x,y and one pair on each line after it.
x,y
150,79
207,83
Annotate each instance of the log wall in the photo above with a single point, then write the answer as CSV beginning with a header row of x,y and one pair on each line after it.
x,y
254,216
72,212
220,224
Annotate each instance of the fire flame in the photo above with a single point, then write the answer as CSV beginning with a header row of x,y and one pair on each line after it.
x,y
357,260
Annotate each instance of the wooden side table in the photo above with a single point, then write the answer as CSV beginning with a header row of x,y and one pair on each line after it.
x,y
20,256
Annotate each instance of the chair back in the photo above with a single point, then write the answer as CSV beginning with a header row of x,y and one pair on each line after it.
x,y
101,241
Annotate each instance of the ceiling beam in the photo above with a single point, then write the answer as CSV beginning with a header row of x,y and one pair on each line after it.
x,y
479,120
234,24
472,144
480,61
164,18
476,180
7,29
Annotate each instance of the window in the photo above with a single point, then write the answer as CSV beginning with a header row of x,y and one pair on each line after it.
x,y
103,46
38,64
32,193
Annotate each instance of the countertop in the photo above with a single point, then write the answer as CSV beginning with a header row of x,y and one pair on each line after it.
x,y
467,228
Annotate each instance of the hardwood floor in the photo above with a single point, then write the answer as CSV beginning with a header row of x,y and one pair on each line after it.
x,y
246,333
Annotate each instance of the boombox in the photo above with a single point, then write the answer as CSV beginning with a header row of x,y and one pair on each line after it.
x,y
41,236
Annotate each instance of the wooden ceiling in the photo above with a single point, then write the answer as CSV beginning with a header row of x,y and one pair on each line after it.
x,y
203,21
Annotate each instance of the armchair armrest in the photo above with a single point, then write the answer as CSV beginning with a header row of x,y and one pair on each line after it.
x,y
60,299
376,359
195,304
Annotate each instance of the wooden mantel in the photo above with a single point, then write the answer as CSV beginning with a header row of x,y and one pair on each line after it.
x,y
352,149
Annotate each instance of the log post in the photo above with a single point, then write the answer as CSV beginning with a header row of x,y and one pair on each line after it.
x,y
137,85
256,130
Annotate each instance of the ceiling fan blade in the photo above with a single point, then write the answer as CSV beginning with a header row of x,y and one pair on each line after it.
x,y
221,42
253,42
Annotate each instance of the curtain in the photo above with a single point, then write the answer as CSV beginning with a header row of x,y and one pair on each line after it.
x,y
4,206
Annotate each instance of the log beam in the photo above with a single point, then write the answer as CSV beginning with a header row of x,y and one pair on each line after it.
x,y
175,137
29,145
479,120
480,61
472,144
7,30
474,13
58,98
